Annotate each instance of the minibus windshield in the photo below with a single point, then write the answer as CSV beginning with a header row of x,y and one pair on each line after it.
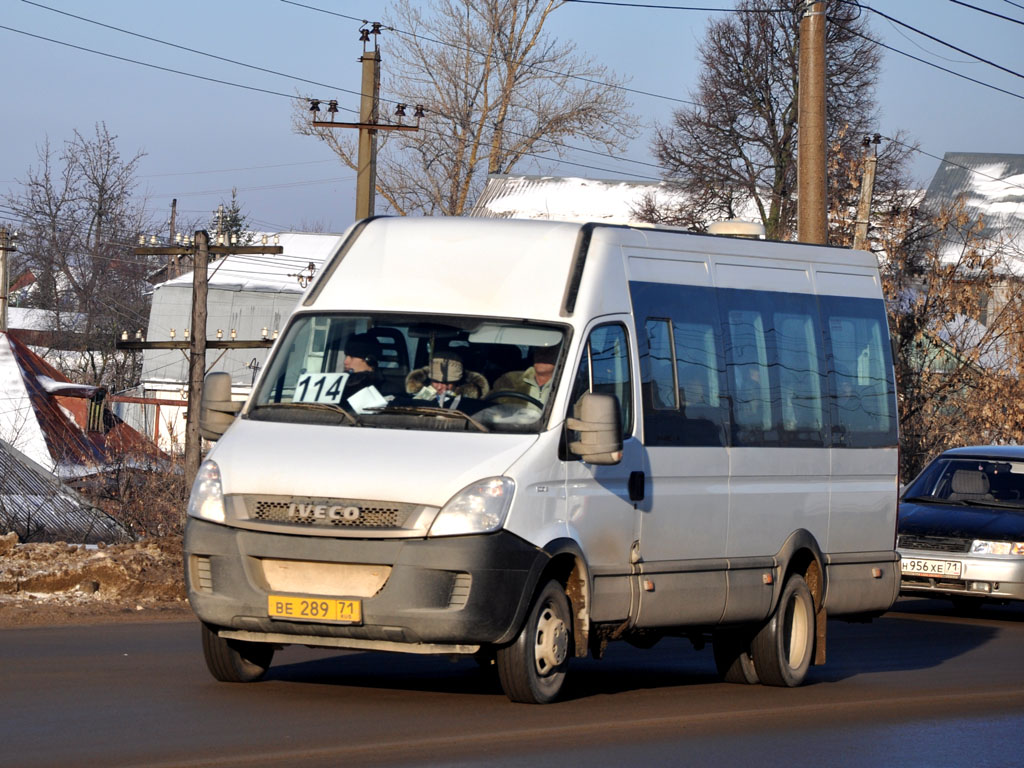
x,y
412,372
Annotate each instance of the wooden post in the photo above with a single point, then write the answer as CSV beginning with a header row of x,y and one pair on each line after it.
x,y
812,216
867,188
197,354
6,247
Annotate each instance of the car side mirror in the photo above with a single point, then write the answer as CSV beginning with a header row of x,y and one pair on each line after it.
x,y
216,409
596,418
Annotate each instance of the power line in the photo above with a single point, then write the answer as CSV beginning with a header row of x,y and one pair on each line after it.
x,y
934,38
990,13
147,64
192,50
679,7
479,53
932,64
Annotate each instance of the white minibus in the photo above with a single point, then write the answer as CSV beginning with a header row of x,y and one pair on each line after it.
x,y
521,440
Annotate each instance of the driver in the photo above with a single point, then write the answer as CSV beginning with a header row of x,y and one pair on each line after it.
x,y
445,381
536,380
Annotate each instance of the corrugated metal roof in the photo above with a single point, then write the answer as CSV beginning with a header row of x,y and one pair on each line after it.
x,y
992,188
38,507
566,198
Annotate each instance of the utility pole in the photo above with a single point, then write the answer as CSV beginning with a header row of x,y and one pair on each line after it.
x,y
172,261
6,248
812,217
200,250
197,352
867,188
369,122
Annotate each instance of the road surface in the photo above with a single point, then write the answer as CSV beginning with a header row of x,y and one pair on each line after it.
x,y
918,687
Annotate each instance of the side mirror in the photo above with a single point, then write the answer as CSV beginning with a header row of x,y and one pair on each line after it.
x,y
600,426
216,409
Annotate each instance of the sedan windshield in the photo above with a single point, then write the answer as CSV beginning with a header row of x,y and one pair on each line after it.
x,y
412,372
971,482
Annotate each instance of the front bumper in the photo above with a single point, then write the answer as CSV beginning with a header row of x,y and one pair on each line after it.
x,y
440,595
992,576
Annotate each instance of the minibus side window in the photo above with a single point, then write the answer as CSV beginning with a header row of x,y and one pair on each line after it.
x,y
604,368
749,379
660,362
860,369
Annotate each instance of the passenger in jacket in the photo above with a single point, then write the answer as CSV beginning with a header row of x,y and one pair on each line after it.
x,y
535,381
445,381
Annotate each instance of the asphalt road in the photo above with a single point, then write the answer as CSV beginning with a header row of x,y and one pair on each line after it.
x,y
918,687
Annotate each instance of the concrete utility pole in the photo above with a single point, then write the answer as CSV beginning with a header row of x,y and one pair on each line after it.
x,y
812,217
369,122
6,248
867,188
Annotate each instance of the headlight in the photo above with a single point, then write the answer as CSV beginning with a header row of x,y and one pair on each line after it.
x,y
982,547
207,498
477,508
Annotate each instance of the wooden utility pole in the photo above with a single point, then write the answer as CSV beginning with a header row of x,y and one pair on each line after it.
x,y
172,261
200,249
197,352
369,122
812,217
6,248
867,188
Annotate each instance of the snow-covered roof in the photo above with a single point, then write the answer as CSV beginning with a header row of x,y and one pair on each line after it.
x,y
566,198
33,319
992,188
270,272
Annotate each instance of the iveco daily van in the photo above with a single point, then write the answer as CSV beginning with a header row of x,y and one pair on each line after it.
x,y
521,440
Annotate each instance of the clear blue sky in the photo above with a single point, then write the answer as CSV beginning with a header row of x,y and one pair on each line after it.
x,y
203,138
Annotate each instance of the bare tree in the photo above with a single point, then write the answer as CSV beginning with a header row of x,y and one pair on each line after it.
x,y
499,92
79,222
737,144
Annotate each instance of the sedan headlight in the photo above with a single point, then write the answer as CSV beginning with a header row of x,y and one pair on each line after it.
x,y
207,498
983,547
477,508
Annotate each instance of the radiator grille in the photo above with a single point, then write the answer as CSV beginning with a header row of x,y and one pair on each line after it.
x,y
332,513
935,543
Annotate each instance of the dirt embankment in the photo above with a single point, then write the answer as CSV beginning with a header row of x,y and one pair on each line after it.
x,y
46,584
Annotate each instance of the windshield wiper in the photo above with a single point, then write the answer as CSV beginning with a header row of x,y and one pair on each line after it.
x,y
423,410
929,500
316,407
993,503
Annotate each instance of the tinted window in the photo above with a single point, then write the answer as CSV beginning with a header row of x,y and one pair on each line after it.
x,y
604,368
775,364
683,338
860,373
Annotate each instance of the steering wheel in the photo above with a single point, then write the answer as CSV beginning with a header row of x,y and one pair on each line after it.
x,y
513,394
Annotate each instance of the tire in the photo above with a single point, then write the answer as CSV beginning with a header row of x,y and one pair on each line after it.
x,y
733,657
784,647
532,668
235,661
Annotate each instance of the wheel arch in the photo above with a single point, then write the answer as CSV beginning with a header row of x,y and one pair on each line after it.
x,y
801,555
568,566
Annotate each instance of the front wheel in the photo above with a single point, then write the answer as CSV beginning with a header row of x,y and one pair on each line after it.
x,y
532,668
784,646
235,661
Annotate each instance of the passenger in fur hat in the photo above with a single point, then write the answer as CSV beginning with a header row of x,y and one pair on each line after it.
x,y
445,381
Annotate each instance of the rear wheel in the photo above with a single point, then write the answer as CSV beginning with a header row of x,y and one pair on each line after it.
x,y
532,668
732,656
784,647
235,661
